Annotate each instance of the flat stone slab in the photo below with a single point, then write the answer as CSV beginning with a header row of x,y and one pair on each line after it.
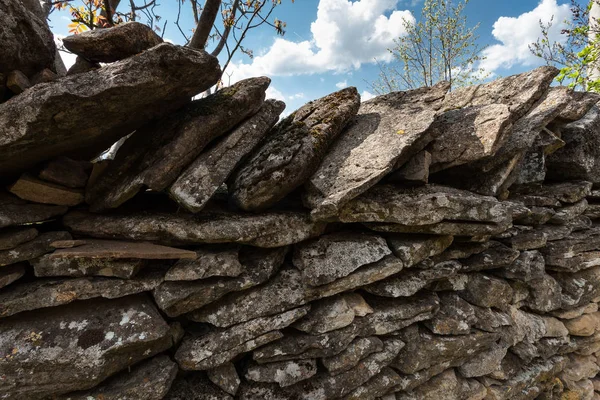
x,y
14,211
37,191
75,347
145,86
358,349
113,44
155,155
201,179
32,249
208,263
46,266
273,229
11,273
12,237
293,151
388,131
94,248
284,373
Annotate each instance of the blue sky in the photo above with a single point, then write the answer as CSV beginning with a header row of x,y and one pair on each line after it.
x,y
330,44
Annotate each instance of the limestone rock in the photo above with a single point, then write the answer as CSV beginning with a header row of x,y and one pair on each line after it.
x,y
112,44
14,211
273,229
225,377
207,263
146,87
11,273
415,171
284,292
176,298
285,373
585,325
37,191
446,385
455,316
575,312
388,131
196,387
51,266
487,291
201,179
31,249
27,43
69,348
377,386
156,154
545,294
333,313
565,214
219,346
51,293
337,255
564,192
496,256
149,380
66,172
358,349
293,151
12,237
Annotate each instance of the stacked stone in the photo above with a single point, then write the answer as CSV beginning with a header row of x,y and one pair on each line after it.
x,y
427,244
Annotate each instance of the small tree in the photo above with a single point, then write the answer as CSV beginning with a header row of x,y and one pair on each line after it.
x,y
440,46
238,17
577,53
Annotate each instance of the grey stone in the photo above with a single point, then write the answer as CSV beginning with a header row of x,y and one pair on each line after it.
x,y
220,346
285,373
293,151
565,192
377,386
146,88
356,350
496,256
568,213
579,288
446,385
176,298
415,171
12,237
201,179
149,380
14,211
208,263
81,65
528,266
455,316
225,377
196,387
337,255
333,313
487,291
75,347
48,266
489,320
157,153
483,363
36,247
27,43
51,293
527,239
578,251
112,44
11,273
388,131
283,292
575,312
545,294
274,229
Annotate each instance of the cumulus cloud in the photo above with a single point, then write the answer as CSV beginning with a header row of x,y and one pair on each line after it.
x,y
345,35
296,96
516,34
342,84
364,96
273,93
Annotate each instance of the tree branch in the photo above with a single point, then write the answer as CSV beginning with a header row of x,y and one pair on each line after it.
x,y
207,19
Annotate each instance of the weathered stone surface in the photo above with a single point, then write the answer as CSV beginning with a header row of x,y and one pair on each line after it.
x,y
12,237
66,172
285,373
208,263
49,266
201,179
225,377
487,291
377,386
32,249
544,294
94,248
496,256
273,229
27,43
409,282
68,348
293,151
44,76
156,154
455,316
146,87
176,298
389,130
358,349
575,312
565,192
14,211
585,325
446,385
11,273
333,313
565,214
220,346
527,238
37,191
195,387
484,362
17,82
423,349
469,134
285,291
149,380
81,65
112,44
337,255
51,293
415,171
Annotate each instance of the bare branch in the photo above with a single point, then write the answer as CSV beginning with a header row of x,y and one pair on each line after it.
x,y
207,20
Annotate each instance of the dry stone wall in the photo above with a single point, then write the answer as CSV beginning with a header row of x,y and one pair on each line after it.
x,y
427,244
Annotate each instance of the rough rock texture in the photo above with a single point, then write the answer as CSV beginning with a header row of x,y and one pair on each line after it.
x,y
14,211
388,131
36,247
293,151
109,45
37,191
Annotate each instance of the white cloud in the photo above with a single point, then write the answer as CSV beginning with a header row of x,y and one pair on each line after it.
x,y
364,96
345,35
67,57
273,93
516,34
296,96
342,84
